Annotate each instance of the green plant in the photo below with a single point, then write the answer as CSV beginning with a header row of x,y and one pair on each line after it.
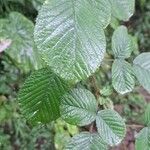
x,y
70,40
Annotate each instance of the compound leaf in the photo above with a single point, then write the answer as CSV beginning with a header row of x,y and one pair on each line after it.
x,y
78,107
110,126
70,38
86,141
40,96
142,69
123,79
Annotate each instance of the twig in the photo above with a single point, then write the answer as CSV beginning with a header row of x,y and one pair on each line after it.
x,y
135,126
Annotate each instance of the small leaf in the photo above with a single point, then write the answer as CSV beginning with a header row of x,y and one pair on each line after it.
x,y
86,141
123,9
78,107
122,45
110,126
143,139
40,96
70,37
122,76
106,90
106,102
142,69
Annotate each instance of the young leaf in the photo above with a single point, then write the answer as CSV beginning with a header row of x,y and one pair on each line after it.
x,y
40,96
142,69
143,139
70,37
123,9
110,126
121,43
86,141
78,107
122,76
19,30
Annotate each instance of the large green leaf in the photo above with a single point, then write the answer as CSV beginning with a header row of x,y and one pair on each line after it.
x,y
86,141
142,69
78,107
19,30
110,126
122,43
70,38
123,79
40,96
123,9
143,139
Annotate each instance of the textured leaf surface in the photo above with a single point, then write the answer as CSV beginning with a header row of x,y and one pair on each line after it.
x,y
70,38
78,107
143,139
110,126
86,141
123,9
142,69
123,79
40,96
19,30
122,43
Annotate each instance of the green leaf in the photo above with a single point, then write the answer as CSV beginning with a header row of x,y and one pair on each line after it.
x,y
78,107
40,96
143,139
147,115
142,69
86,141
107,90
122,45
70,37
110,126
37,4
106,102
123,79
123,9
19,30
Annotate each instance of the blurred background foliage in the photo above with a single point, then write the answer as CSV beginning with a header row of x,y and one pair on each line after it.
x,y
18,59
